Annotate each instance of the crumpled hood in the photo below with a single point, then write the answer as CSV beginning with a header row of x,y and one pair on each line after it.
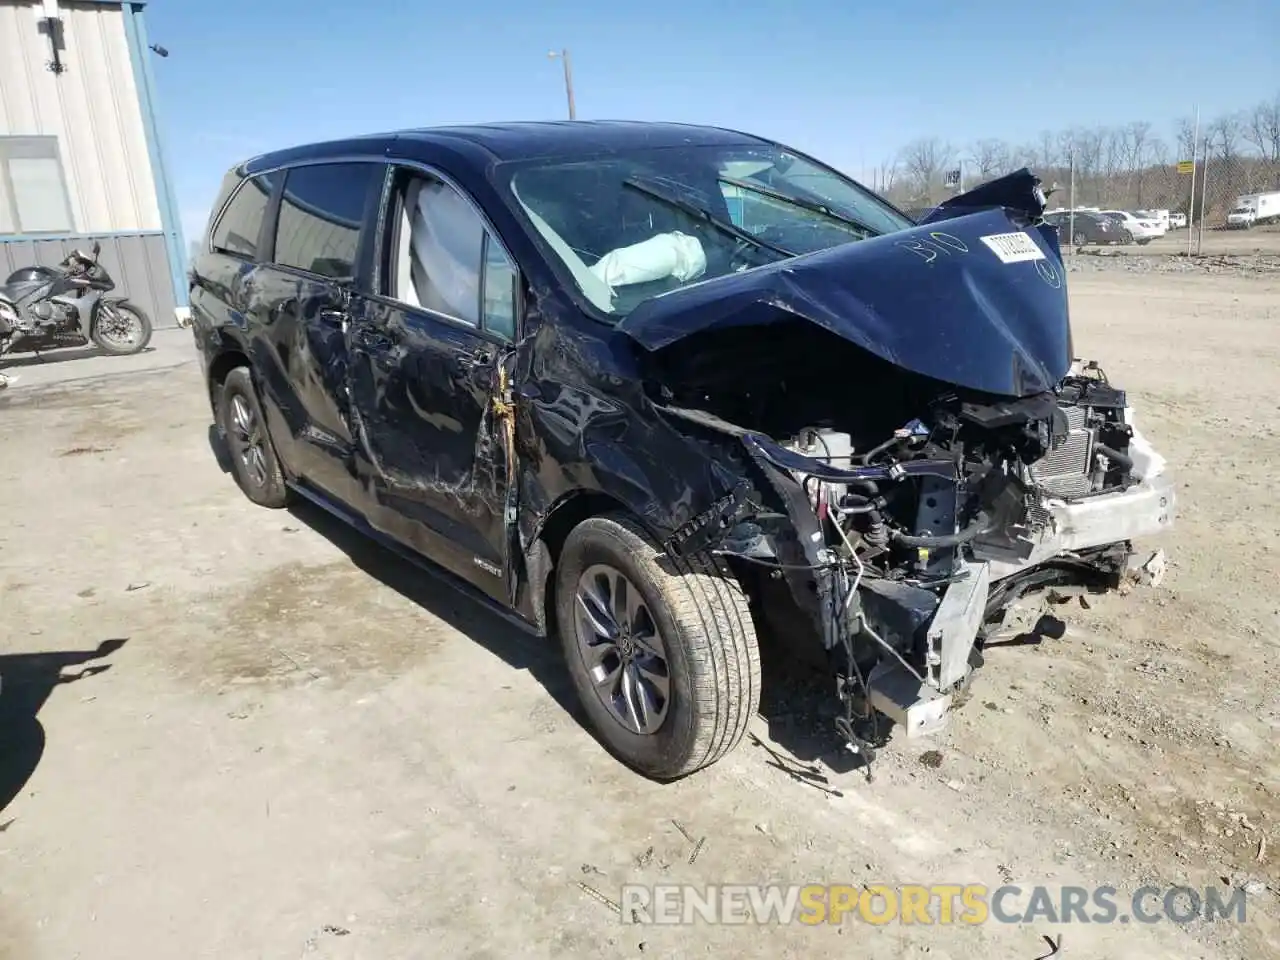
x,y
972,299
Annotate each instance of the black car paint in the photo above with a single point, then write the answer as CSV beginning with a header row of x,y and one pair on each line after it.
x,y
933,299
564,408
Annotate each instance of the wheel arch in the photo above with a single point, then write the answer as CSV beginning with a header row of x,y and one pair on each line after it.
x,y
549,536
229,356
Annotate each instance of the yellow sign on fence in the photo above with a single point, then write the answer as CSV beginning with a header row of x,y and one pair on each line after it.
x,y
1186,166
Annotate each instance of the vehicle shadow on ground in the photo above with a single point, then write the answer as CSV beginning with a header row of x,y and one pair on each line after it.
x,y
13,361
798,702
87,352
26,680
445,597
218,444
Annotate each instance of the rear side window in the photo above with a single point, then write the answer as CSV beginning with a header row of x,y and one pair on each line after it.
x,y
321,215
238,227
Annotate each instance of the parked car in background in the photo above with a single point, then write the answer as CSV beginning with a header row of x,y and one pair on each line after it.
x,y
1088,228
1241,218
1140,231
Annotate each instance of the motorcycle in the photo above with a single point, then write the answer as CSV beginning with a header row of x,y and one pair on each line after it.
x,y
44,308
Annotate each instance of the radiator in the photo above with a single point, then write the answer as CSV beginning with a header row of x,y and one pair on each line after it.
x,y
1064,471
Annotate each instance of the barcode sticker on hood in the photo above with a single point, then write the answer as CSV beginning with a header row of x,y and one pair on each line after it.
x,y
1013,247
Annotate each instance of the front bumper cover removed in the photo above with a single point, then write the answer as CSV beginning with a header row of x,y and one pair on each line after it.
x,y
921,706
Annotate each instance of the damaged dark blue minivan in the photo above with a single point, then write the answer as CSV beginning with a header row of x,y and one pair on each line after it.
x,y
658,390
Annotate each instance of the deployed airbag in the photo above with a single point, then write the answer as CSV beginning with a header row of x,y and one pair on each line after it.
x,y
672,254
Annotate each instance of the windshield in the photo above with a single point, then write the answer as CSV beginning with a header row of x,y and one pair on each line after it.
x,y
634,224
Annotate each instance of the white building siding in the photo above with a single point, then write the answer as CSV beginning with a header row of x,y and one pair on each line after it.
x,y
93,109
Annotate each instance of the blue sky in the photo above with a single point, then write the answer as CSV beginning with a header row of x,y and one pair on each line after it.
x,y
850,81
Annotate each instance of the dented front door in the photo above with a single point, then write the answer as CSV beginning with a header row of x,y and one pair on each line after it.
x,y
422,389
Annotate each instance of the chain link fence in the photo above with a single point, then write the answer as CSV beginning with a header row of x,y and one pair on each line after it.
x,y
1201,168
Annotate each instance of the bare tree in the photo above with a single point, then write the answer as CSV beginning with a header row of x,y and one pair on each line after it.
x,y
1024,155
1263,129
1048,151
1222,147
1128,166
1136,141
1185,138
1112,157
885,174
923,162
989,157
1223,135
1087,151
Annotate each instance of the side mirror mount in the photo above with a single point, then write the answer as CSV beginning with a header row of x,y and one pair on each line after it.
x,y
97,249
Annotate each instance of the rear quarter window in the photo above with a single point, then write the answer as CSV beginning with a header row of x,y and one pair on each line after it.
x,y
321,217
237,229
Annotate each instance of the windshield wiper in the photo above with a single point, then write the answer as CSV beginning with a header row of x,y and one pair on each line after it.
x,y
705,215
813,207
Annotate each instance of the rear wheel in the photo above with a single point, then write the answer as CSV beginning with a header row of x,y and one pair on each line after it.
x,y
253,457
662,651
121,329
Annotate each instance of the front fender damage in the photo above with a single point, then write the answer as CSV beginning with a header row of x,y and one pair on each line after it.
x,y
910,472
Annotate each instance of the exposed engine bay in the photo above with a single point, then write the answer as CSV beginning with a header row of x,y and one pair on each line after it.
x,y
903,547
908,442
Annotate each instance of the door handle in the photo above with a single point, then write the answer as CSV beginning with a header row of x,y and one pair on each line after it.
x,y
482,356
372,339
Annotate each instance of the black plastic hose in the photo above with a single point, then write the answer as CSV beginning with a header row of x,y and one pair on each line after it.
x,y
981,524
1120,458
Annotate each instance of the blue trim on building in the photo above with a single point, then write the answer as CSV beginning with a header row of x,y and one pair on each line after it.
x,y
99,235
135,30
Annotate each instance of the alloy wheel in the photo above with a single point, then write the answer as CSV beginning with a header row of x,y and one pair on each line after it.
x,y
119,326
622,649
248,440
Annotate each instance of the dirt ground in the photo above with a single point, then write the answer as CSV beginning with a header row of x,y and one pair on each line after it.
x,y
236,733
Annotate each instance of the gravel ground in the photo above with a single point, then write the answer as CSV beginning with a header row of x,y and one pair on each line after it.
x,y
231,732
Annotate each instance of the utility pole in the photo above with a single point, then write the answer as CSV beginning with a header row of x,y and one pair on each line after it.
x,y
1191,204
1071,199
568,78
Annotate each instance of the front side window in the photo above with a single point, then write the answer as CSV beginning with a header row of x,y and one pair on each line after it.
x,y
237,229
33,192
446,260
635,224
321,212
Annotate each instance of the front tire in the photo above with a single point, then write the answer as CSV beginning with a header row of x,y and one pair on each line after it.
x,y
662,651
121,329
253,456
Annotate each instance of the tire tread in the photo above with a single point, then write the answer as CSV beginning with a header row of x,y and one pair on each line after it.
x,y
710,610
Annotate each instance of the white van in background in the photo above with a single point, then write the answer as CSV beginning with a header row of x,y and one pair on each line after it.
x,y
1159,216
1265,206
